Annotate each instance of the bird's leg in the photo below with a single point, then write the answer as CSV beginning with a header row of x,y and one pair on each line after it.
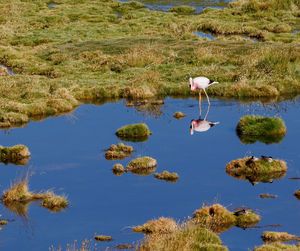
x,y
208,103
200,102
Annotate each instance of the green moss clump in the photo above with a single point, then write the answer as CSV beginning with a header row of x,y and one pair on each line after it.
x,y
255,171
269,236
182,9
119,151
277,246
103,238
165,175
18,154
249,219
134,131
264,129
142,163
179,115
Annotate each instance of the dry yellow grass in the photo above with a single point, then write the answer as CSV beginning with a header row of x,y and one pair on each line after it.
x,y
269,236
162,226
54,202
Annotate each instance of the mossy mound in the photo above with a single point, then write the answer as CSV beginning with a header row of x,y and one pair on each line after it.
x,y
162,226
103,238
277,246
182,9
135,131
179,115
265,129
165,175
119,151
246,167
249,219
297,194
269,236
143,163
18,154
190,238
218,219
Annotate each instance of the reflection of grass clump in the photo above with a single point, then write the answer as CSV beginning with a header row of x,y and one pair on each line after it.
x,y
134,131
54,202
103,238
18,154
218,219
119,151
165,175
182,9
162,226
264,129
269,236
277,246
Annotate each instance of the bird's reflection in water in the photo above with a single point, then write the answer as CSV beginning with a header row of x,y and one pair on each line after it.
x,y
201,125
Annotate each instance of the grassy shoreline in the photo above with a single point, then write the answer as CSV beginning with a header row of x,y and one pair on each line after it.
x,y
81,52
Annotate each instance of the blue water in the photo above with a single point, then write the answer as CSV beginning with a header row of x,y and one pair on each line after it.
x,y
68,157
253,39
165,5
204,35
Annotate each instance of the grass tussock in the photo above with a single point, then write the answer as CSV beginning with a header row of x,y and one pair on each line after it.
x,y
118,169
179,115
182,9
262,196
269,236
165,175
264,129
143,163
277,246
187,237
133,131
18,154
218,219
103,238
160,226
119,151
54,202
18,197
3,222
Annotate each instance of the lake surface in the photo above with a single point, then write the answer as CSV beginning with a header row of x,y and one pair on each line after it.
x,y
199,5
68,157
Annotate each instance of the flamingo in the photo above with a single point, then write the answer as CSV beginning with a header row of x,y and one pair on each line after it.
x,y
201,125
201,83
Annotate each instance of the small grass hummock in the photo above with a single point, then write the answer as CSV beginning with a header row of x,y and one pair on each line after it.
x,y
103,238
265,129
259,170
179,115
18,154
54,202
262,196
3,222
269,236
142,163
118,169
162,226
165,175
119,151
135,131
277,246
218,219
297,194
182,9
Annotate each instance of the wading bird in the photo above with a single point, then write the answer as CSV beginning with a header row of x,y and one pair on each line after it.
x,y
201,83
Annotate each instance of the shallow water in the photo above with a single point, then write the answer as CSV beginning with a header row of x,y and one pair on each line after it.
x,y
204,35
199,5
68,156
